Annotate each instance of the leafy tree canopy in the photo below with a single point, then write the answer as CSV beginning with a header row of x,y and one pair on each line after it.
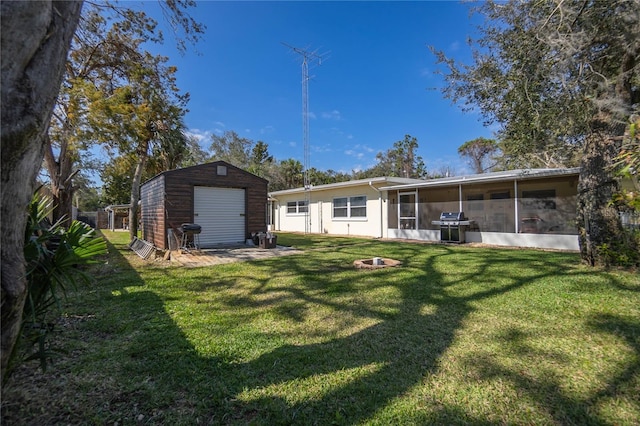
x,y
544,70
561,78
480,153
399,161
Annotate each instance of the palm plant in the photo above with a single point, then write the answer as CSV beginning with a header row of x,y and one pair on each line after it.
x,y
54,257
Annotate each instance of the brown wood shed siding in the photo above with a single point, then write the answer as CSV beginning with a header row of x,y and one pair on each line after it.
x,y
178,196
152,211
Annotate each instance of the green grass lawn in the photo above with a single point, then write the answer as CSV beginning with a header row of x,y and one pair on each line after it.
x,y
456,335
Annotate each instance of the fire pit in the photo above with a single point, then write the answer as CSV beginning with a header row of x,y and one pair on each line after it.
x,y
376,263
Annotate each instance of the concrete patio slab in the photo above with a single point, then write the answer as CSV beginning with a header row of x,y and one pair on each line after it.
x,y
229,254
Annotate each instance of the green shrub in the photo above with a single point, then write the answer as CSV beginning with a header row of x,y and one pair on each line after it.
x,y
625,252
54,257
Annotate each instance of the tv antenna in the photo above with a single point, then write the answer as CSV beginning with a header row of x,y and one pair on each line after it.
x,y
308,56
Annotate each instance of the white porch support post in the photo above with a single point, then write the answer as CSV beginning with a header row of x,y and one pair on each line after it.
x,y
416,214
515,209
398,209
110,217
459,197
380,203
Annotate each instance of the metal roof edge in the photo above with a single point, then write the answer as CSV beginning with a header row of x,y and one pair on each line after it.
x,y
178,170
117,206
508,175
329,186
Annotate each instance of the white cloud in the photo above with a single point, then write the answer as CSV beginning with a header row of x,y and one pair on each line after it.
x,y
202,136
357,152
332,115
198,134
323,148
339,132
365,148
267,129
219,128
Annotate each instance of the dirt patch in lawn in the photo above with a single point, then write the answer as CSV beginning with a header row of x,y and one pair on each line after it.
x,y
376,263
229,254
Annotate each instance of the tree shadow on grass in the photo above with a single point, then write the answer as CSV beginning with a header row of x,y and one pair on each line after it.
x,y
385,360
549,393
108,355
395,353
139,366
627,380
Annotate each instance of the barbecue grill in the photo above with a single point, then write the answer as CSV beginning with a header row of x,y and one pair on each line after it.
x,y
452,226
190,236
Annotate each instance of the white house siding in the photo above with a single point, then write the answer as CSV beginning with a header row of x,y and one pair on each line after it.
x,y
501,205
545,241
288,222
322,220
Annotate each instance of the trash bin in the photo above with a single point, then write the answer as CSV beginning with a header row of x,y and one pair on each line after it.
x,y
267,241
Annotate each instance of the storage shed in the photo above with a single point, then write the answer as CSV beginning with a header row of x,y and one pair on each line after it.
x,y
227,202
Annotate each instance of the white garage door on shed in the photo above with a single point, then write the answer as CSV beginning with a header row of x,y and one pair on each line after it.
x,y
221,214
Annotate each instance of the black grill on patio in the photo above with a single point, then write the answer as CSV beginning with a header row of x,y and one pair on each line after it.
x,y
452,226
190,236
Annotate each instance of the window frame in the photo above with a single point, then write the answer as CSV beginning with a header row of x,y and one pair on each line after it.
x,y
349,207
472,204
540,199
300,206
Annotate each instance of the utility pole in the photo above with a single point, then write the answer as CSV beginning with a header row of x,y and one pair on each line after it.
x,y
307,57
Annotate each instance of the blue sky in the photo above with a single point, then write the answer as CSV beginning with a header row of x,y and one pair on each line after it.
x,y
374,86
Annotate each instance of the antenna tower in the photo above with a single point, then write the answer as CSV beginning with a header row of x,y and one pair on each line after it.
x,y
307,57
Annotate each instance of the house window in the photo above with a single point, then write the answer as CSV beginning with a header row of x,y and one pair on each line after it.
x,y
475,202
500,195
346,207
297,207
543,199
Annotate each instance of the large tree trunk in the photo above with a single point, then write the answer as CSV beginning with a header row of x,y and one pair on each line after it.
x,y
36,37
61,174
598,221
599,224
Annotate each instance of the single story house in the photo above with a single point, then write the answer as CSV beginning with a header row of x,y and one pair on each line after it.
x,y
526,208
344,208
227,202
